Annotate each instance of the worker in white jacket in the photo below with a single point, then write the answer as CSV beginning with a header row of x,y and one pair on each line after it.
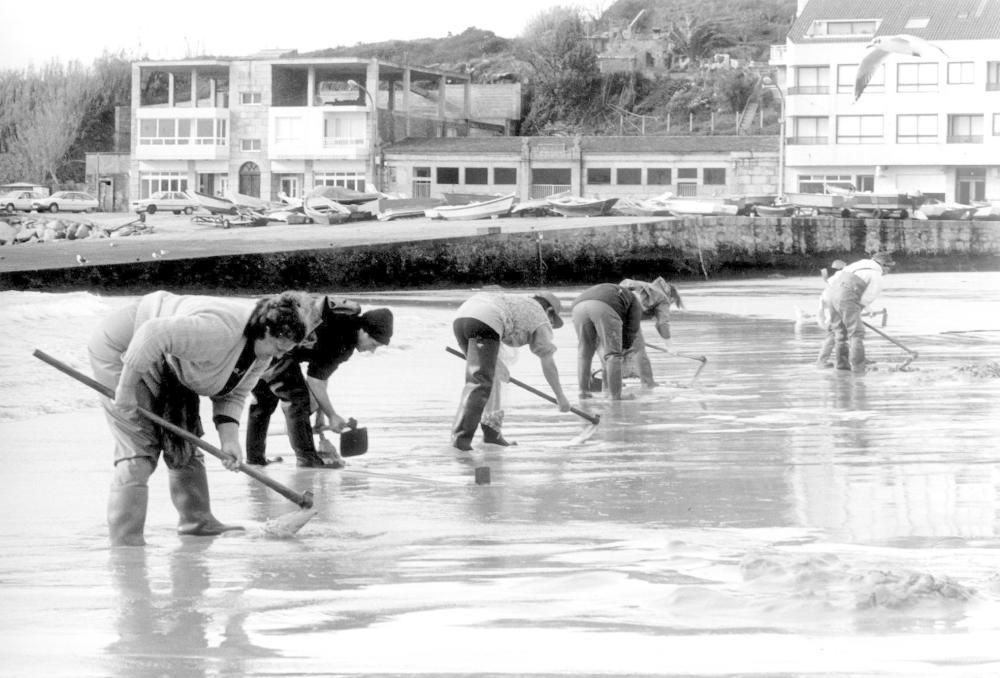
x,y
848,293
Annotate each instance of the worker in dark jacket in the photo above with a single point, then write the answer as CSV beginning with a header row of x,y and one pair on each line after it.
x,y
344,329
605,315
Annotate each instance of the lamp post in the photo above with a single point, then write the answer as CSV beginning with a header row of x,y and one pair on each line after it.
x,y
770,84
377,147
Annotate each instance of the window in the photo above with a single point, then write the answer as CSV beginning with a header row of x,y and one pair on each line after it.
x,y
162,181
631,176
846,28
209,131
917,129
687,173
846,74
447,175
818,183
351,180
506,176
916,77
993,75
289,185
658,176
687,189
859,129
287,129
960,73
965,129
249,144
165,132
251,98
996,124
344,130
810,130
811,80
714,176
917,22
599,175
477,175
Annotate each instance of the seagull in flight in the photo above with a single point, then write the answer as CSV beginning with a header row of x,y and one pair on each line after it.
x,y
883,46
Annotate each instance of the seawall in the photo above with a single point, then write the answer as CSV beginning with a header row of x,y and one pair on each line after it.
x,y
716,247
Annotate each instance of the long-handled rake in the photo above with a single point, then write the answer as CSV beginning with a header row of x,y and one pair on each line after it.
x,y
281,526
912,355
700,358
594,419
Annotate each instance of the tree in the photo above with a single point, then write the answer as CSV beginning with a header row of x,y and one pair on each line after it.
x,y
564,67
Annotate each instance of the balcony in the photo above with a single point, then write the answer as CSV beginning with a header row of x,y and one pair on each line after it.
x,y
807,141
182,134
312,132
809,89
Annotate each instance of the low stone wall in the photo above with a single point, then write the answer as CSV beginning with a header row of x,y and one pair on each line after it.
x,y
716,247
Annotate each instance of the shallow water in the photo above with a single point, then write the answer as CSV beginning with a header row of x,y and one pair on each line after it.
x,y
770,519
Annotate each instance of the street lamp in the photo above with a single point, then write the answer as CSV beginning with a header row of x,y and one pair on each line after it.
x,y
377,148
770,84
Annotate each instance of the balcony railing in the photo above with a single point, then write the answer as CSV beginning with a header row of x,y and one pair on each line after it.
x,y
341,142
807,141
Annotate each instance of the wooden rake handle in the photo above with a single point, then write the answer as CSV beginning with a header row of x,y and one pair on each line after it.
x,y
592,418
304,500
886,336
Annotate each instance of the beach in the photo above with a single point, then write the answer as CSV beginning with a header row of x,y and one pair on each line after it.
x,y
768,518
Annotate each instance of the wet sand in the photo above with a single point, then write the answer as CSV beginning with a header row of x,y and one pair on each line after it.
x,y
771,519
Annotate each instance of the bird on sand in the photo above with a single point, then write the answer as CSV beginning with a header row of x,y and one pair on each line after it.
x,y
80,260
883,46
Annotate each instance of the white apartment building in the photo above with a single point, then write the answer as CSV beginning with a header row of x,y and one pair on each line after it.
x,y
260,126
928,124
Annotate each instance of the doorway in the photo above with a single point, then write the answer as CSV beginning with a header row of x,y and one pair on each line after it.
x,y
970,184
250,179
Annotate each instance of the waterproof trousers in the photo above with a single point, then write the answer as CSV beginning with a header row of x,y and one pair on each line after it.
x,y
598,325
482,350
288,386
845,322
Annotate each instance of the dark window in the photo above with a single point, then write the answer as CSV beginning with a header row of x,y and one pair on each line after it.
x,y
599,175
714,176
658,176
477,175
447,175
551,176
505,175
422,172
631,175
687,173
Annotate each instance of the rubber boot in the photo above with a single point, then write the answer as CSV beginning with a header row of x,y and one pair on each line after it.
x,y
613,374
127,514
494,436
189,492
480,367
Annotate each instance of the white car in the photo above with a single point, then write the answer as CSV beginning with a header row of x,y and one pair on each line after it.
x,y
20,200
66,201
166,201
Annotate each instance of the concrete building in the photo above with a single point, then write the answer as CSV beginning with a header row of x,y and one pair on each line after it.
x,y
593,166
929,124
280,123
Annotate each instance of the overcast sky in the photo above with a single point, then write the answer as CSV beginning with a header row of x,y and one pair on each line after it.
x,y
38,31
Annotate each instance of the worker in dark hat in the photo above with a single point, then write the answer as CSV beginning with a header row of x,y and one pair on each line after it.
x,y
343,330
848,292
484,322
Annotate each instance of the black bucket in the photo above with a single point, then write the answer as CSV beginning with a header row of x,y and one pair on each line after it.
x,y
353,440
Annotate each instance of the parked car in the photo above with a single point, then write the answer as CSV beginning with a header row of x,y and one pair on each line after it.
x,y
166,201
20,200
66,201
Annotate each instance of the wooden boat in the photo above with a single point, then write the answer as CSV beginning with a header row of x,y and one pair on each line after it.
x,y
686,207
403,208
880,206
575,206
987,211
819,203
345,196
774,210
214,204
486,209
325,211
453,198
941,210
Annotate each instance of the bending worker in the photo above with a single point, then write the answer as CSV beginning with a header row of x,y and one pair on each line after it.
x,y
162,352
482,323
343,330
655,299
847,294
